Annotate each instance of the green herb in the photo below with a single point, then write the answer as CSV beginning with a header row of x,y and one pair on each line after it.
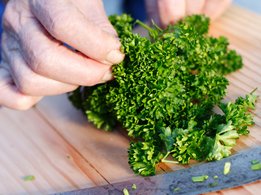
x,y
125,191
164,92
134,187
254,162
227,167
176,189
199,178
214,184
29,178
215,177
256,167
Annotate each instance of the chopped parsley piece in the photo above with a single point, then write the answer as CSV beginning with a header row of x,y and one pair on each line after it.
x,y
125,191
254,162
176,189
134,187
227,168
29,178
256,167
214,184
200,178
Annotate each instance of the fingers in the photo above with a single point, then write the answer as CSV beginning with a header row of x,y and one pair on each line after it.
x,y
37,62
10,97
66,23
28,82
50,58
194,6
171,11
214,8
97,14
31,83
166,12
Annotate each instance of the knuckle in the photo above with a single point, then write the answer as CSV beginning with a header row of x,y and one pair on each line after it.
x,y
59,24
36,55
8,16
14,16
55,19
26,85
37,61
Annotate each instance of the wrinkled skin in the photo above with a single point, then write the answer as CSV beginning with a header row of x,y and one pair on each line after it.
x,y
35,60
36,63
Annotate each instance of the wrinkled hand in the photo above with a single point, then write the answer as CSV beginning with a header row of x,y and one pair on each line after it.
x,y
36,61
165,12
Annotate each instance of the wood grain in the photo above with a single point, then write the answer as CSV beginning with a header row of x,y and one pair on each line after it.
x,y
55,143
29,146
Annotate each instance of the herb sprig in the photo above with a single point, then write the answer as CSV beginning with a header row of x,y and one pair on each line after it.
x,y
164,93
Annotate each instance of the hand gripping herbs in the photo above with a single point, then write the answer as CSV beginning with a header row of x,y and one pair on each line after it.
x,y
164,92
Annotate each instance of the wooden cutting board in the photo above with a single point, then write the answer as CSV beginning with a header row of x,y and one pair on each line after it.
x,y
54,142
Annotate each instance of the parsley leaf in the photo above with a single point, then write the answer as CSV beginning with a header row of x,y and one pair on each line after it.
x,y
164,93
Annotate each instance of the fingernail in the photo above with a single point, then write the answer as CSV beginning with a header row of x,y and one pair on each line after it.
x,y
114,57
107,76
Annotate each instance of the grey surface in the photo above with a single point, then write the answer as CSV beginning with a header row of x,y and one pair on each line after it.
x,y
240,174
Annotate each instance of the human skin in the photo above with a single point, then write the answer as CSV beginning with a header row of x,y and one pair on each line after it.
x,y
165,12
35,60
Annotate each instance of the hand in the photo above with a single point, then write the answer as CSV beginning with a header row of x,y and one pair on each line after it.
x,y
165,12
35,60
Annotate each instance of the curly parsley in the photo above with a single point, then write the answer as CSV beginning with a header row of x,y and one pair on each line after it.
x,y
164,93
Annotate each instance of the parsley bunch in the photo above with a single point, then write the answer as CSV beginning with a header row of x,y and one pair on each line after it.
x,y
164,93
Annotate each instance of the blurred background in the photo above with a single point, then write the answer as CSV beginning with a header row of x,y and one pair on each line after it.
x,y
136,8
254,5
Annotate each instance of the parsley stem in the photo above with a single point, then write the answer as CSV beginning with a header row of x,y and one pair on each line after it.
x,y
144,26
166,156
168,161
254,90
